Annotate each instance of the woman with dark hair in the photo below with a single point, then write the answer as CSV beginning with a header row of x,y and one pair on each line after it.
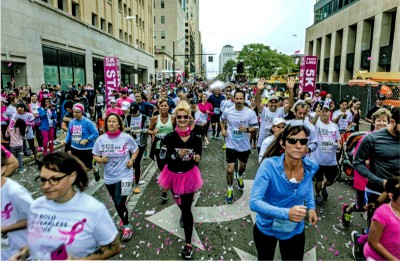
x,y
181,174
354,108
281,195
117,151
65,219
48,122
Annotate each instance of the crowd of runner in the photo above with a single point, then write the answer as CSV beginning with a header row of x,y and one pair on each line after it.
x,y
299,140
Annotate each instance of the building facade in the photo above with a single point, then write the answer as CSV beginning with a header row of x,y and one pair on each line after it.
x,y
65,41
227,53
353,35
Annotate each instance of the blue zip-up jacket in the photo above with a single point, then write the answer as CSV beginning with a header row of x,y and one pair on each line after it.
x,y
88,131
44,121
273,195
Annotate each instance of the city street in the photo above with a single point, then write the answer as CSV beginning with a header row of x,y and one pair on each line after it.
x,y
222,232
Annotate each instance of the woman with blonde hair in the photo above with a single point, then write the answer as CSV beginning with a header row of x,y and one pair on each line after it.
x,y
181,174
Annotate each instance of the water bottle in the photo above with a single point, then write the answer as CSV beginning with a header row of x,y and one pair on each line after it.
x,y
163,152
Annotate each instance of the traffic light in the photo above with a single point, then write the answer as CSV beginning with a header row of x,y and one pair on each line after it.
x,y
239,67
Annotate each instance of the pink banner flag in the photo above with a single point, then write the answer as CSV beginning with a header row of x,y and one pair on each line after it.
x,y
112,77
308,74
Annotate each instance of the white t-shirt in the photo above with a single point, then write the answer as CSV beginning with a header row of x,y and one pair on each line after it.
x,y
237,140
83,224
328,135
226,104
343,123
264,147
199,118
266,119
15,202
117,150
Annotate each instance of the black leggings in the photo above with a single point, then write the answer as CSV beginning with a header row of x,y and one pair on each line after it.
x,y
291,249
136,164
119,201
184,202
160,162
206,127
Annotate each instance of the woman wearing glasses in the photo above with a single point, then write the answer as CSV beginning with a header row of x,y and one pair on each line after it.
x,y
282,194
64,223
181,174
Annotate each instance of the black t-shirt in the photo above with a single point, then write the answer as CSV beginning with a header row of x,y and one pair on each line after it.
x,y
198,131
174,143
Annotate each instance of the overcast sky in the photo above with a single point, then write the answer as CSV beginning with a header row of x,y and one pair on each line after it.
x,y
270,22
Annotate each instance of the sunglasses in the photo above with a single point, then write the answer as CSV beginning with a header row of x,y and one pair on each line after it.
x,y
294,141
182,116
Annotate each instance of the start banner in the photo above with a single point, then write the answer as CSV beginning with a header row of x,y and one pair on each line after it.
x,y
112,77
308,74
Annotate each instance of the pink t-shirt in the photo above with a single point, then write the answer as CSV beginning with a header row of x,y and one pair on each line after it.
x,y
359,181
390,238
115,110
121,100
206,107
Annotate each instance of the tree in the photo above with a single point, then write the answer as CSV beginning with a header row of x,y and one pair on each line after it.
x,y
261,61
227,70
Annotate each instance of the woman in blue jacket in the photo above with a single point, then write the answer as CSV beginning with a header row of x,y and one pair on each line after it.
x,y
48,122
281,195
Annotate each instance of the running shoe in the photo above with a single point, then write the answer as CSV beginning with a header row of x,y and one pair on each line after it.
x,y
319,200
324,193
127,233
213,136
217,137
96,174
141,182
57,142
345,216
21,170
224,146
39,149
120,226
187,252
240,183
136,190
229,196
364,215
357,248
181,222
145,154
204,146
164,197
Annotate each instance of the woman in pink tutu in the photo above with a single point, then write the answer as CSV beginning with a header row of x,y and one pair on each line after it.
x,y
181,174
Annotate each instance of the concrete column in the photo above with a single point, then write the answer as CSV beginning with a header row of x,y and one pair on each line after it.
x,y
376,43
331,72
321,59
395,63
314,49
362,42
89,66
343,55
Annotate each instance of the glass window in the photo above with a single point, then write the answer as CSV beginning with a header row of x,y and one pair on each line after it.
x,y
162,4
110,28
162,19
65,58
94,20
51,74
49,56
75,9
79,60
66,76
79,75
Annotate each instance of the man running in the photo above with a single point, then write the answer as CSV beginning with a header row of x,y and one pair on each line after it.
x,y
215,99
240,120
271,111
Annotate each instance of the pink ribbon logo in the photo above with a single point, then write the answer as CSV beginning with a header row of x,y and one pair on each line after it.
x,y
124,148
6,213
76,229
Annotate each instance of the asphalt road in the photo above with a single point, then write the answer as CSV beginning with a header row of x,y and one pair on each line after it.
x,y
222,232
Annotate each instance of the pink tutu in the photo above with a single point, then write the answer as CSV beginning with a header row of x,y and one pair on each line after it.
x,y
181,183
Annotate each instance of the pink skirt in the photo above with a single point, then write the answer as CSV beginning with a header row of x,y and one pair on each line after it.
x,y
181,183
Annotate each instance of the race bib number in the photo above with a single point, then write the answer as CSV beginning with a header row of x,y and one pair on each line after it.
x,y
136,129
327,146
283,226
76,133
217,110
237,135
126,187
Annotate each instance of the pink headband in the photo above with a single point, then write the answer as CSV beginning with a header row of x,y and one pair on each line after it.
x,y
78,106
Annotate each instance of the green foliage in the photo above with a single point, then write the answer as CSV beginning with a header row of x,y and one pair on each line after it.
x,y
228,67
261,61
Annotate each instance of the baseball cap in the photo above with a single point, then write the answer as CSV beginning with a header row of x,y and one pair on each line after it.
x,y
317,91
125,105
381,97
277,121
323,93
273,97
269,87
112,100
